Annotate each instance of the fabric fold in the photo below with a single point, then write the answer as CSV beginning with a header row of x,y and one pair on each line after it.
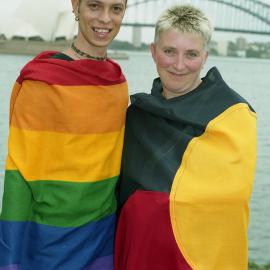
x,y
67,121
199,150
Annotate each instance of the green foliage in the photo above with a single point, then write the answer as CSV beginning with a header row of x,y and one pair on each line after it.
x,y
253,53
254,266
125,45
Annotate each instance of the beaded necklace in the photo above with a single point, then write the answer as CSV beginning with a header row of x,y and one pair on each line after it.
x,y
84,54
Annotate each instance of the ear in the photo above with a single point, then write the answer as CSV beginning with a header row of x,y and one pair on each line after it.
x,y
153,49
75,6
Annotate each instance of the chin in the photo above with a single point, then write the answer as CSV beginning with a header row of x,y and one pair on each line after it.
x,y
101,44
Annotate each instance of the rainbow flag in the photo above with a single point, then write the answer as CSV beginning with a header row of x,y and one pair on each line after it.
x,y
187,174
65,144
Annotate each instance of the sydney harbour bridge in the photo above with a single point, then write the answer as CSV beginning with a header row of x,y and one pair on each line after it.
x,y
238,16
233,16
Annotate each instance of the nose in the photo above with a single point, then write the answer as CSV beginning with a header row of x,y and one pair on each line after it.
x,y
179,63
105,16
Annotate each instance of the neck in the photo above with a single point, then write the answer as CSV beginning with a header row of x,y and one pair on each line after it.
x,y
84,55
84,45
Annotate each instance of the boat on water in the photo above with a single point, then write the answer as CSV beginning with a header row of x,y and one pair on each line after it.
x,y
29,47
118,55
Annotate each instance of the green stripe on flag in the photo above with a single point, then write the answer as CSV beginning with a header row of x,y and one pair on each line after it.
x,y
57,203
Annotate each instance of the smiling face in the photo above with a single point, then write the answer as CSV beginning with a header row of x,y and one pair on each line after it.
x,y
99,23
179,58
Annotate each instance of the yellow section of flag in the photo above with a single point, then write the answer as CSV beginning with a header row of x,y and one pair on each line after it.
x,y
68,157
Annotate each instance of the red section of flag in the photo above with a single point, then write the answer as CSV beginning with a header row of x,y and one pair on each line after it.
x,y
62,72
144,238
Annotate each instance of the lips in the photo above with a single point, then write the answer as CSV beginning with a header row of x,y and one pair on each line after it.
x,y
176,74
102,33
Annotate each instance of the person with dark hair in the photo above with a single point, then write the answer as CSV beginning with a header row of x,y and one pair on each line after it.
x,y
188,162
67,119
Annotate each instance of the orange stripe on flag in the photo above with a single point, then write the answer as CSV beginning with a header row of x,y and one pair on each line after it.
x,y
70,109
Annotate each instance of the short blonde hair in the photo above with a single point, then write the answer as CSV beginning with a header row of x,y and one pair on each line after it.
x,y
185,19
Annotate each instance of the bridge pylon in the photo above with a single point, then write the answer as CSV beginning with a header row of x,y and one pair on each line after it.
x,y
137,36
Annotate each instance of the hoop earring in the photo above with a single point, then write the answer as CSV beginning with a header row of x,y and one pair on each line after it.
x,y
76,18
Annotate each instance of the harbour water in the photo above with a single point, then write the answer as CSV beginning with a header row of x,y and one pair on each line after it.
x,y
249,77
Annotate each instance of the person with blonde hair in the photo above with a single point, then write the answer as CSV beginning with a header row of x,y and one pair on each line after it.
x,y
189,159
66,133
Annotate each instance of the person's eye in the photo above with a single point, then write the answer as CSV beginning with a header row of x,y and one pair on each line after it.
x,y
169,52
192,54
93,6
118,9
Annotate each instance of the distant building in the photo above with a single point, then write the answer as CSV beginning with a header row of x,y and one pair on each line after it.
x,y
241,44
213,47
28,23
25,31
241,53
66,27
2,37
137,36
222,48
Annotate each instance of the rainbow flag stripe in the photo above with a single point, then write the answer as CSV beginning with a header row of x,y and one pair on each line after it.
x,y
67,121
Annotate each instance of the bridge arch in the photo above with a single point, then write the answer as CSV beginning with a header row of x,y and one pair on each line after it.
x,y
255,8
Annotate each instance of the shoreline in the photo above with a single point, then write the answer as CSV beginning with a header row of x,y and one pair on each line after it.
x,y
25,47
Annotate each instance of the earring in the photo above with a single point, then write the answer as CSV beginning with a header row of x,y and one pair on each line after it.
x,y
76,18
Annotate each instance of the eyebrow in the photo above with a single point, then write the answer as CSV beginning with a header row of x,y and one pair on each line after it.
x,y
100,2
171,49
192,50
168,47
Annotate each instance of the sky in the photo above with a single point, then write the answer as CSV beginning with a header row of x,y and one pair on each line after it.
x,y
8,8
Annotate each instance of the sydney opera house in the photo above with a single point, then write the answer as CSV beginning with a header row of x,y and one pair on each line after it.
x,y
48,20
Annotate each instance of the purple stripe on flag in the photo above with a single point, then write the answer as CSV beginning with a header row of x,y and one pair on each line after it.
x,y
104,263
10,267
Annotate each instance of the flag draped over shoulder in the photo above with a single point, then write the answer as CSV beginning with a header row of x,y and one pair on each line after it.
x,y
187,174
64,152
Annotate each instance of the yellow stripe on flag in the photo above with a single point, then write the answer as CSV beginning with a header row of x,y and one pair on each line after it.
x,y
67,157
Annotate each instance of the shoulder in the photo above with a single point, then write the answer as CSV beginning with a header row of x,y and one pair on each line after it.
x,y
220,93
38,65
